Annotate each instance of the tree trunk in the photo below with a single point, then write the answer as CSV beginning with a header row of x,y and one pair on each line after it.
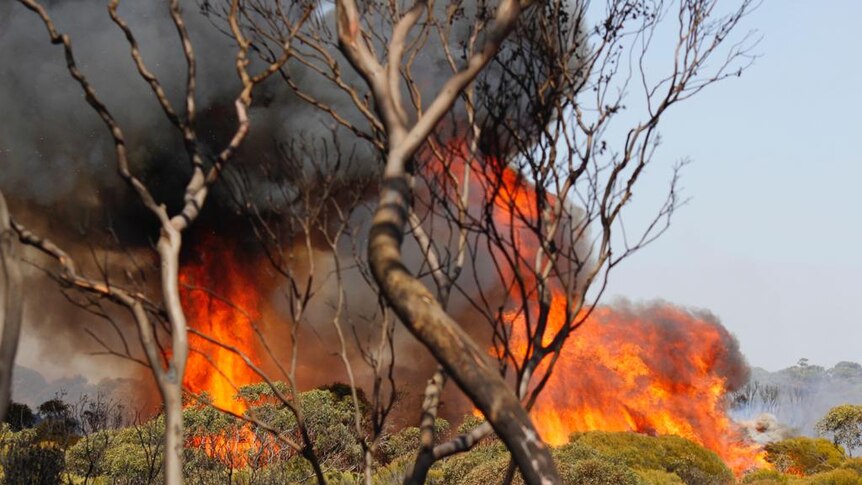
x,y
173,435
171,379
462,359
12,307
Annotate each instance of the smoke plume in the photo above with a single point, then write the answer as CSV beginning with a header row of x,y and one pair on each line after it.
x,y
59,168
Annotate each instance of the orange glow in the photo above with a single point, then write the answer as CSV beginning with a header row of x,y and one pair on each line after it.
x,y
656,370
221,300
659,373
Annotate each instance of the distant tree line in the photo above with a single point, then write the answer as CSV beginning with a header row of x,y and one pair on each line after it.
x,y
798,395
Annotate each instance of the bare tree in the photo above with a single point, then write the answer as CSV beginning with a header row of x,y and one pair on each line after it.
x,y
312,243
168,371
95,416
417,308
555,178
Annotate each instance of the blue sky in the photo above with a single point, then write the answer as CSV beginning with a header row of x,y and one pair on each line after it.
x,y
771,241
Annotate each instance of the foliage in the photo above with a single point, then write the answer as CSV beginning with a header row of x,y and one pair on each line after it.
x,y
293,470
573,452
841,476
456,468
804,456
488,472
125,463
406,441
86,458
393,473
213,437
844,423
329,418
57,422
341,390
469,423
595,471
764,476
598,458
134,455
20,416
694,464
578,465
28,460
854,464
846,370
659,477
804,371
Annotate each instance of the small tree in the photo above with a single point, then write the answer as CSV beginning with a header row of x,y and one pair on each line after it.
x,y
844,423
804,456
20,416
56,422
26,460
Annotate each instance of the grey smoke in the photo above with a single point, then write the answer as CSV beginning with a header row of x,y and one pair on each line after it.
x,y
32,388
56,152
765,428
54,147
798,396
57,158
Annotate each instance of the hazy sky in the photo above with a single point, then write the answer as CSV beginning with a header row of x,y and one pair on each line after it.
x,y
771,241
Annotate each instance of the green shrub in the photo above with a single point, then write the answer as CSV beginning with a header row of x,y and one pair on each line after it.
x,y
764,476
406,441
578,465
589,471
127,463
20,416
594,471
694,464
488,472
328,418
392,473
293,470
841,476
454,470
469,423
844,424
573,452
602,457
804,456
86,458
335,477
136,454
659,477
28,460
769,481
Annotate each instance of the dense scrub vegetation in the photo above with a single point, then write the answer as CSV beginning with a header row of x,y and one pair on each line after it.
x,y
90,443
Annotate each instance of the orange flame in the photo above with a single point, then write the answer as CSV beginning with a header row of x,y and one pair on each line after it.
x,y
658,372
653,370
221,301
621,371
